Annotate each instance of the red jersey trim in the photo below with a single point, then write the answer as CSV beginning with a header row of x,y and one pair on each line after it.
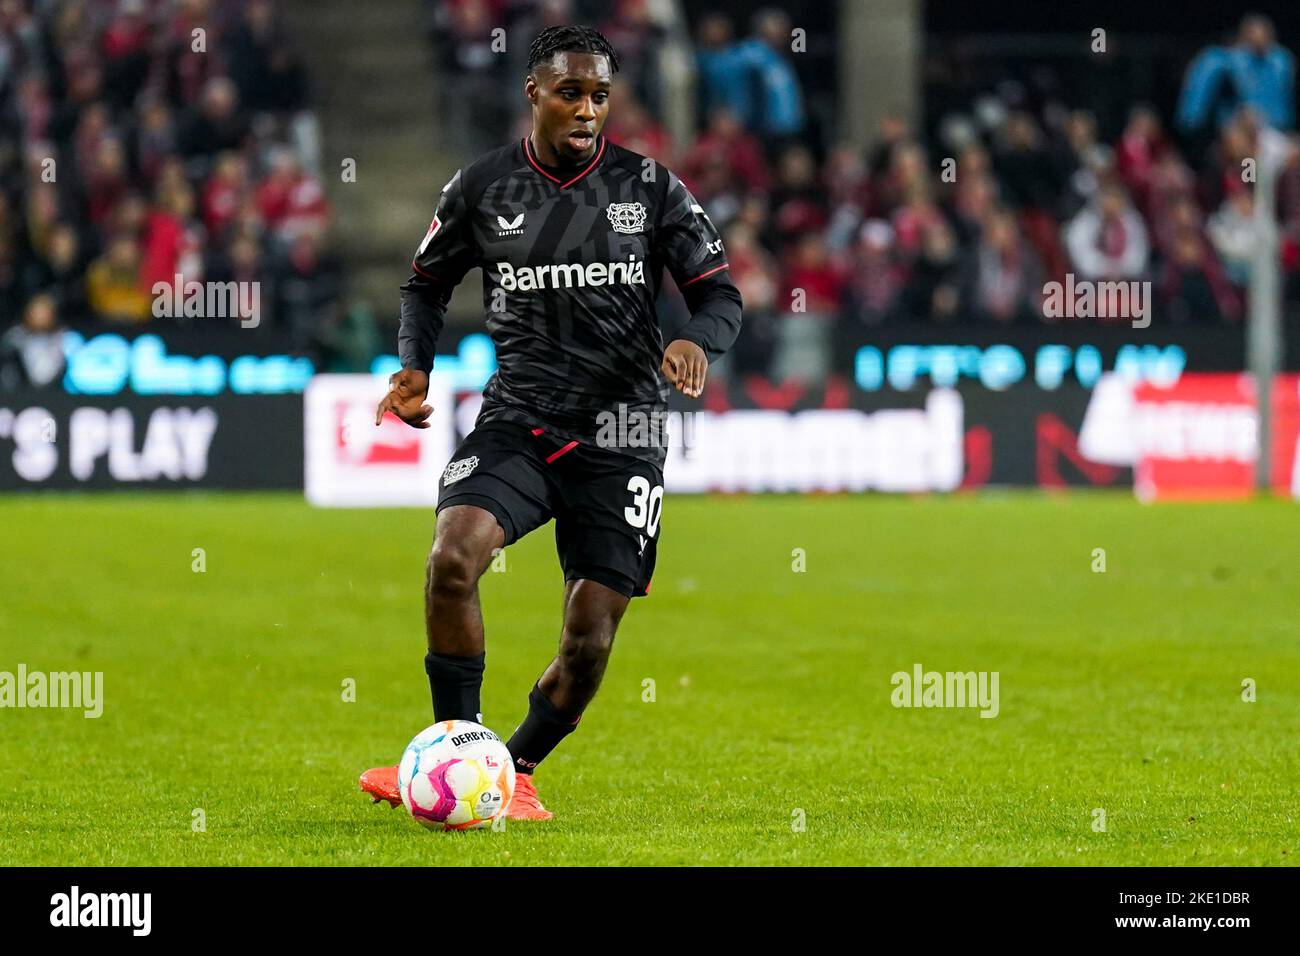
x,y
528,154
554,455
703,275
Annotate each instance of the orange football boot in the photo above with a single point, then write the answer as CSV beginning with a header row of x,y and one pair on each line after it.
x,y
524,802
381,784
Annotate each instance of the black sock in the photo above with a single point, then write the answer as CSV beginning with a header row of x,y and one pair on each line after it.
x,y
455,684
540,733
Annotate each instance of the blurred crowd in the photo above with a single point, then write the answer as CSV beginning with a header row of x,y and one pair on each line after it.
x,y
754,77
833,249
963,227
145,140
966,228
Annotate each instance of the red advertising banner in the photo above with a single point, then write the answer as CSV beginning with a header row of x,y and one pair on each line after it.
x,y
1197,438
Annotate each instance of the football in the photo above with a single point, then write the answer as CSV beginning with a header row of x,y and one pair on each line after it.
x,y
456,775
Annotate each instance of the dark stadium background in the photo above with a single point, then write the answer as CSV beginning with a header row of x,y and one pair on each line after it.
x,y
341,130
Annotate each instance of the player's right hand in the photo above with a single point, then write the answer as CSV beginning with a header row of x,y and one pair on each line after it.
x,y
405,399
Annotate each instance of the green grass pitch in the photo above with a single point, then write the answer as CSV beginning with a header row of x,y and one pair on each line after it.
x,y
1119,691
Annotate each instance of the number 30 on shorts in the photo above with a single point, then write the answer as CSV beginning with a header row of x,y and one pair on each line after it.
x,y
647,504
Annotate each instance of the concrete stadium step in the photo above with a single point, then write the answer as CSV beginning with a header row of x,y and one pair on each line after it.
x,y
372,72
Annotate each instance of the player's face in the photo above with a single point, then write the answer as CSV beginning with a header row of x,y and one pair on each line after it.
x,y
570,97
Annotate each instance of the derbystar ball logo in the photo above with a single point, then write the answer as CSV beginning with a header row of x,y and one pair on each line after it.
x,y
572,276
473,736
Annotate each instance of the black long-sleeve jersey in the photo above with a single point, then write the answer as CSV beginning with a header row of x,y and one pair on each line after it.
x,y
571,268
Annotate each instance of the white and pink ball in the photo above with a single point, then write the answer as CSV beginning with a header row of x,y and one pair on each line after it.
x,y
456,775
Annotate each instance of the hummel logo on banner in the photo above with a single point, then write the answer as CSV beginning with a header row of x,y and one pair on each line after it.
x,y
510,227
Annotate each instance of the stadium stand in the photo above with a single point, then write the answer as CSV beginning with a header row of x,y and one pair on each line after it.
x,y
170,161
147,139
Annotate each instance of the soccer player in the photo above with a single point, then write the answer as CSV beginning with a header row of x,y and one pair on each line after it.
x,y
572,233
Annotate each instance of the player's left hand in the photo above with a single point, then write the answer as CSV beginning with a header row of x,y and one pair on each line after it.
x,y
685,365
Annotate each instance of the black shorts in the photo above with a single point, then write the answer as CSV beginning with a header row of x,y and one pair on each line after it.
x,y
606,505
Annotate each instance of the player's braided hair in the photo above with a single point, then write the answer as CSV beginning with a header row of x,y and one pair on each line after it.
x,y
554,40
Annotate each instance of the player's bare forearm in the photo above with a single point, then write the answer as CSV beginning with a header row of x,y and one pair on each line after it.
x,y
407,390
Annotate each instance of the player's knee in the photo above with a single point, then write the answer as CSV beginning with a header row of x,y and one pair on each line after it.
x,y
461,551
453,569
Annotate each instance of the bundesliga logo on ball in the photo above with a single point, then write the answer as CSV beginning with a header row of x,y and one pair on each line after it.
x,y
456,775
